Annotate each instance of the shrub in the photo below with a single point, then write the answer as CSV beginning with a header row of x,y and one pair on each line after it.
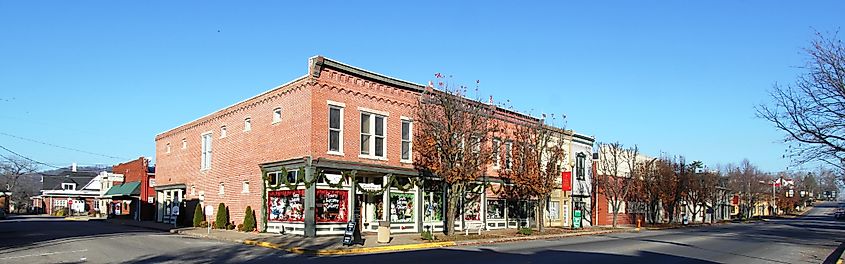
x,y
230,226
426,235
525,231
222,217
249,220
203,224
241,227
199,216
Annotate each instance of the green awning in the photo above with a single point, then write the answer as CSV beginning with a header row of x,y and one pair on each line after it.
x,y
126,189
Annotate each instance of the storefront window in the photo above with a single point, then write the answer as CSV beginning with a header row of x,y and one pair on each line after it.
x,y
554,212
517,210
286,206
472,207
401,207
331,206
495,209
433,206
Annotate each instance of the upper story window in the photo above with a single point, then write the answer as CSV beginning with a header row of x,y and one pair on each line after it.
x,y
221,189
222,131
247,124
277,115
205,159
580,164
508,155
245,187
497,158
336,129
406,140
184,143
373,130
167,148
68,186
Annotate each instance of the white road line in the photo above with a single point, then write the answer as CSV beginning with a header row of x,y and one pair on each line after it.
x,y
44,254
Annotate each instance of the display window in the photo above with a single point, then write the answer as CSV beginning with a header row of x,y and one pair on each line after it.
x,y
286,206
332,206
402,207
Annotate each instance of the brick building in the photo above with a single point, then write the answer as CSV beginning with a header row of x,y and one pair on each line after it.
x,y
288,153
135,190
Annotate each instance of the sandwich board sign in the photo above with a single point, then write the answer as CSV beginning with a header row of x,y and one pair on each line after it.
x,y
348,234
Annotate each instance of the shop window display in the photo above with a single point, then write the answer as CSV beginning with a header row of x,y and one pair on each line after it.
x,y
286,206
472,207
401,207
331,206
495,209
433,206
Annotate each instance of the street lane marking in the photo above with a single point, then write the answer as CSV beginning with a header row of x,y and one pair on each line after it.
x,y
45,254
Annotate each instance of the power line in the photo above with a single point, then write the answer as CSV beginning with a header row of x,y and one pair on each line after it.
x,y
27,158
61,147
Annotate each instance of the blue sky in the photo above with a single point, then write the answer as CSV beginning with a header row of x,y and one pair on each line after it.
x,y
676,77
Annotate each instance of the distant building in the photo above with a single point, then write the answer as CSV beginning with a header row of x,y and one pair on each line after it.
x,y
71,189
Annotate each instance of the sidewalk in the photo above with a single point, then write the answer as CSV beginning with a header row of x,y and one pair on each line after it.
x,y
332,245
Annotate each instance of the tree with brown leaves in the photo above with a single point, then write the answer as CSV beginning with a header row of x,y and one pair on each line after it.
x,y
454,135
537,153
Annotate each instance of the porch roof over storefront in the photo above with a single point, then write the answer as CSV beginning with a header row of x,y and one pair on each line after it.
x,y
131,189
170,187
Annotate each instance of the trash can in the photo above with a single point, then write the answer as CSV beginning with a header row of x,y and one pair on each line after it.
x,y
384,231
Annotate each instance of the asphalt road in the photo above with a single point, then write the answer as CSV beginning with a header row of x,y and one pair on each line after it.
x,y
809,239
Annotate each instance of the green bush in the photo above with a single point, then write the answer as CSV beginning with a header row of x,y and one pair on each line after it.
x,y
249,220
199,217
426,235
230,226
222,217
525,231
203,224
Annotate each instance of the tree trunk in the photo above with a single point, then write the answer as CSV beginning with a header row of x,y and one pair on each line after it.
x,y
541,206
452,210
615,208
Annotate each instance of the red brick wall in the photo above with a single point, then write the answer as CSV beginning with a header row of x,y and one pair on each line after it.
x,y
604,212
137,170
303,131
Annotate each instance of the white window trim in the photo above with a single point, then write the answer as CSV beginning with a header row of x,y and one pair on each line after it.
x,y
205,165
245,186
410,139
72,186
276,121
372,154
377,112
224,131
167,148
221,189
247,120
341,107
184,143
509,155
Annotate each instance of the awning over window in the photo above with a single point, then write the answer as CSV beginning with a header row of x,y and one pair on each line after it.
x,y
131,189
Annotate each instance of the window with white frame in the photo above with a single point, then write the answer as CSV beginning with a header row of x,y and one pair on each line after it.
x,y
184,143
497,159
247,124
580,164
335,129
193,189
205,158
508,154
406,140
245,187
167,148
373,130
221,189
223,131
68,186
277,115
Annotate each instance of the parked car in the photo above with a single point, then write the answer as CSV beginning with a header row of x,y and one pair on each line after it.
x,y
839,214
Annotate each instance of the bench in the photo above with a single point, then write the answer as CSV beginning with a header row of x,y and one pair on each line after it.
x,y
473,226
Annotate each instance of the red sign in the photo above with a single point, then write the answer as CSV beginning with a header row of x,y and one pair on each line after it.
x,y
566,178
735,199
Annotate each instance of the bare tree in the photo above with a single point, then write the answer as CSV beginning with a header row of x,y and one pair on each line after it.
x,y
616,171
811,110
650,188
537,153
455,135
750,184
671,192
13,173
